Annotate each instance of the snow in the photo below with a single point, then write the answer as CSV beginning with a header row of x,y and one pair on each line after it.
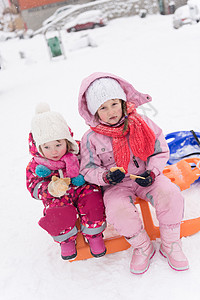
x,y
157,60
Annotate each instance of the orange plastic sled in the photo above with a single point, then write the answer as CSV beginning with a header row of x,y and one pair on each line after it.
x,y
115,244
182,174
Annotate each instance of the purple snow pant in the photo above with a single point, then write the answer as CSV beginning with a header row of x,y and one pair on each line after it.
x,y
85,202
121,212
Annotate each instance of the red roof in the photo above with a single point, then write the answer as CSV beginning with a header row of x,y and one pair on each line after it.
x,y
27,4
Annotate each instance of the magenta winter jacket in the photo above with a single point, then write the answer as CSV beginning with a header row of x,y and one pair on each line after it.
x,y
96,149
38,186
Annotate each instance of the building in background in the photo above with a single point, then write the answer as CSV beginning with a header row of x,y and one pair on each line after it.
x,y
33,13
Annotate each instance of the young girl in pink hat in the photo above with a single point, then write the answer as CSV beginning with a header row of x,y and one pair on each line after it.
x,y
121,143
53,177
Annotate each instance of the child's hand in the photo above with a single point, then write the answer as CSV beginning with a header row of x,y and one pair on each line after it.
x,y
58,186
115,176
149,178
78,180
42,171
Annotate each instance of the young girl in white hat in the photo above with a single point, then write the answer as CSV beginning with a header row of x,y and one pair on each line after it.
x,y
53,177
119,144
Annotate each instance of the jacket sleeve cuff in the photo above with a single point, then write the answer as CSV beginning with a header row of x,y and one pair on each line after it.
x,y
155,171
102,179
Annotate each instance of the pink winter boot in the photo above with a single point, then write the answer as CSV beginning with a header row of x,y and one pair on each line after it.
x,y
97,246
171,248
68,249
143,251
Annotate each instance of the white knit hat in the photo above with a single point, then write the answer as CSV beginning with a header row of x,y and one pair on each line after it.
x,y
47,126
101,90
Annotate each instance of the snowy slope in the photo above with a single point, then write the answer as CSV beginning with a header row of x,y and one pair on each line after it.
x,y
157,60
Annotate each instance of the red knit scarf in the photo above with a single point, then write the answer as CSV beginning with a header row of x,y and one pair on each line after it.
x,y
141,138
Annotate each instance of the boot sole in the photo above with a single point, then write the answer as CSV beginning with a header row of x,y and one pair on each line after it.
x,y
99,255
143,271
69,257
174,268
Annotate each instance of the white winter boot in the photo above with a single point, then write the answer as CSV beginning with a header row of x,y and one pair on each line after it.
x,y
143,251
171,248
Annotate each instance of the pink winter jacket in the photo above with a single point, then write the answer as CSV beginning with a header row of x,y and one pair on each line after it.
x,y
96,149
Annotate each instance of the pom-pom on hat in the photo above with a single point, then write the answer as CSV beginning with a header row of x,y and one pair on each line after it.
x,y
47,126
101,90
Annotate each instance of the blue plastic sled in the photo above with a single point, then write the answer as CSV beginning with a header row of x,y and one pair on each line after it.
x,y
183,144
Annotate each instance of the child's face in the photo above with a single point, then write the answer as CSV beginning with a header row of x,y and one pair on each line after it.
x,y
110,111
54,150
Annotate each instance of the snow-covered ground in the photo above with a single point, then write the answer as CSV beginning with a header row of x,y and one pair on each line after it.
x,y
157,60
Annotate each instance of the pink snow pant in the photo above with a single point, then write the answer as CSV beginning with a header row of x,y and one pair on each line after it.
x,y
85,202
121,212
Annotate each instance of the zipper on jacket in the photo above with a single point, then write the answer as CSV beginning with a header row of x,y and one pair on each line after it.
x,y
135,162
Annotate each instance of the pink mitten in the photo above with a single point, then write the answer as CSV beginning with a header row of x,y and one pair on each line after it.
x,y
58,219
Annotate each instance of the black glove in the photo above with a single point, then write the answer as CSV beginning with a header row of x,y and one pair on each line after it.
x,y
113,177
149,178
